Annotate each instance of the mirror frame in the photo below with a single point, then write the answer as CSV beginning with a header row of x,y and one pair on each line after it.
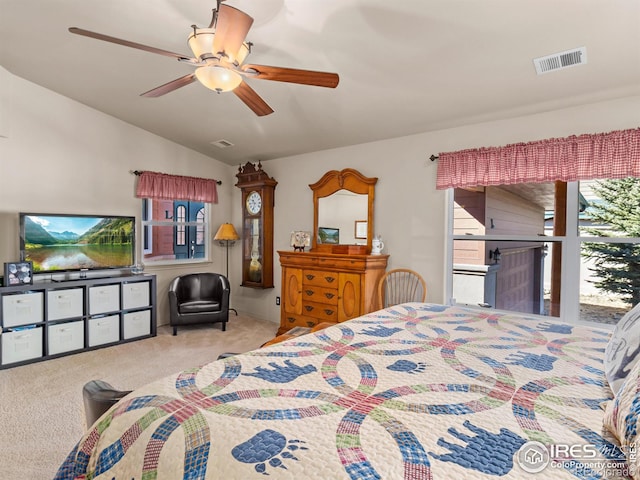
x,y
353,181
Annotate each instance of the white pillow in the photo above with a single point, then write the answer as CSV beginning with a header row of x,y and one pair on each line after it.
x,y
622,419
622,351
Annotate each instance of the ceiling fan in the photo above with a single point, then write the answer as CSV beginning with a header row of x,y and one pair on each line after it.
x,y
219,51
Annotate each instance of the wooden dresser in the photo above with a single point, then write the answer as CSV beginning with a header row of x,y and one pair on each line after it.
x,y
327,287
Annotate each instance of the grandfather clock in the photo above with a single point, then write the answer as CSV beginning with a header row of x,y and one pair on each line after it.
x,y
257,225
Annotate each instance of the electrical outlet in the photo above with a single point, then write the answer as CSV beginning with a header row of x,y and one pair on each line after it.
x,y
277,300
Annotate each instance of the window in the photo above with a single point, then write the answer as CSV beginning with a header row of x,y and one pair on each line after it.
x,y
174,231
558,249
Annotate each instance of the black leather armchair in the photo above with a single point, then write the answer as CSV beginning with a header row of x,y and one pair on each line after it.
x,y
199,298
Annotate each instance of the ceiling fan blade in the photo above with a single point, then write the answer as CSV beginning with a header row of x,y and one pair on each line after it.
x,y
252,100
170,86
232,26
293,75
126,43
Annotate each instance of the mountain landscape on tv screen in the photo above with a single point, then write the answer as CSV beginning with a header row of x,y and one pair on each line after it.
x,y
63,243
112,231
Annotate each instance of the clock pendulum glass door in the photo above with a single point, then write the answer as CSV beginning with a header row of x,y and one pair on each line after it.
x,y
255,267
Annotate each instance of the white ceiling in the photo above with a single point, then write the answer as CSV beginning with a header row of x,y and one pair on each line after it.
x,y
405,66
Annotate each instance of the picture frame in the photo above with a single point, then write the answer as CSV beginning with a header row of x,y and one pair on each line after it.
x,y
329,235
18,273
361,229
300,239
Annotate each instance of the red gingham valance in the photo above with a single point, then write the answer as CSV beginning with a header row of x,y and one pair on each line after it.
x,y
161,186
584,157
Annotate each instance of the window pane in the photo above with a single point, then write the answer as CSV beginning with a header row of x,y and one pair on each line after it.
x,y
525,209
506,275
200,227
609,280
175,230
181,235
610,269
609,208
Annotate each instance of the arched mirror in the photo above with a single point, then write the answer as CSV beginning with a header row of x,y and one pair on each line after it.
x,y
343,212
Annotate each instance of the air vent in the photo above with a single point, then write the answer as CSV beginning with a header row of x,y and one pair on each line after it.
x,y
559,61
222,144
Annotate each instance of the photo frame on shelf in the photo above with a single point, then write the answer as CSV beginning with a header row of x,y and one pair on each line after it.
x,y
361,229
18,273
300,239
329,235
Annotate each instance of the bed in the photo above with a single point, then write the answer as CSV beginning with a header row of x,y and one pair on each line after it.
x,y
415,391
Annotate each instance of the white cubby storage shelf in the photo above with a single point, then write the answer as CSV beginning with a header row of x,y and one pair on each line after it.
x,y
49,319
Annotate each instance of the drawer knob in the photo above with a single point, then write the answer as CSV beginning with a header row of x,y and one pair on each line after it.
x,y
309,292
328,312
308,308
329,295
329,279
310,277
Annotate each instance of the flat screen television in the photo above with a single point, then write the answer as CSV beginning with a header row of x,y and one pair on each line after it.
x,y
62,242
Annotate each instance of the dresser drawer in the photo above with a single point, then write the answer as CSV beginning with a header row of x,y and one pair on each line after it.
x,y
135,295
321,311
22,309
67,303
348,263
320,278
103,299
136,324
21,345
312,293
65,337
104,330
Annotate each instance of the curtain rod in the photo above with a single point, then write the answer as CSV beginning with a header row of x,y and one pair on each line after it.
x,y
433,158
139,172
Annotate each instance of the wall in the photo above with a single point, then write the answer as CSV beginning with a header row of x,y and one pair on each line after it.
x,y
62,156
59,156
410,214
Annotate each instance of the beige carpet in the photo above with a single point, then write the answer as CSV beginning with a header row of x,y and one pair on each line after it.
x,y
41,413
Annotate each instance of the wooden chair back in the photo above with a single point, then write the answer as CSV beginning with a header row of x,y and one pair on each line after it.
x,y
401,285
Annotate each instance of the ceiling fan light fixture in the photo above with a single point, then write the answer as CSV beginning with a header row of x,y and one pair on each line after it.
x,y
201,41
245,49
217,78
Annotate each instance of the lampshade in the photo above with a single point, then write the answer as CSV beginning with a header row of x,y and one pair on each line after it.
x,y
245,49
201,41
217,78
226,232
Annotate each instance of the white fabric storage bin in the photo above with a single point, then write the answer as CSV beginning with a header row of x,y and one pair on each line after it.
x,y
135,295
21,345
104,330
137,324
22,309
104,299
65,337
66,303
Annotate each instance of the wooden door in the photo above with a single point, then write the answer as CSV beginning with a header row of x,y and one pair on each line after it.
x,y
348,296
292,291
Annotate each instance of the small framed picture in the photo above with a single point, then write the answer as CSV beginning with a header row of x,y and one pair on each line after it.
x,y
18,273
361,229
328,235
300,239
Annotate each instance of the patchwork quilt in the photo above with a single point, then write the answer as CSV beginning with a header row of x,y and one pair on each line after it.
x,y
415,391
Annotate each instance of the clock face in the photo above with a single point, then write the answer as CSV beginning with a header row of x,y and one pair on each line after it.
x,y
254,203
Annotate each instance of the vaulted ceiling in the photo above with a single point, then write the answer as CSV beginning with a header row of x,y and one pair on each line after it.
x,y
405,67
